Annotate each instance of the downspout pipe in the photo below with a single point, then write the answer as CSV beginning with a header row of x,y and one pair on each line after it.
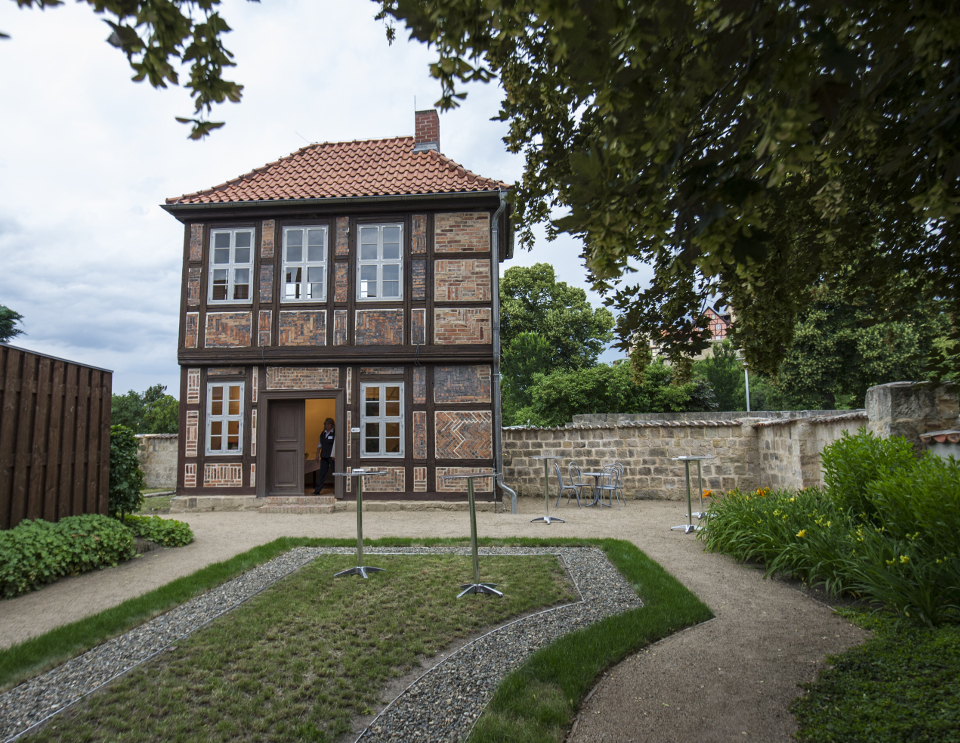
x,y
497,410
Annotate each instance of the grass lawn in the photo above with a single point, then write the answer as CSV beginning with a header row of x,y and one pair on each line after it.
x,y
535,703
299,660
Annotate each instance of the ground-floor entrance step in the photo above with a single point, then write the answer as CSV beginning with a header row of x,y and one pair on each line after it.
x,y
298,504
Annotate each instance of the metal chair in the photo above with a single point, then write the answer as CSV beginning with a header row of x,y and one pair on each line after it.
x,y
608,483
621,469
576,479
565,486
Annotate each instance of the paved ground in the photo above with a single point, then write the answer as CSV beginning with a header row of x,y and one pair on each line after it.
x,y
732,678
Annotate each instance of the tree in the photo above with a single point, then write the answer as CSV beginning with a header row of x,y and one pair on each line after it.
x,y
545,325
149,412
838,351
152,32
723,369
746,150
612,388
8,324
126,477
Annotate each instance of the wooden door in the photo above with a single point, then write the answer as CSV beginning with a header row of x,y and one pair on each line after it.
x,y
285,448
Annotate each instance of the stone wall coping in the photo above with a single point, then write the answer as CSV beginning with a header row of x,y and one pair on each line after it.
x,y
627,424
851,416
157,435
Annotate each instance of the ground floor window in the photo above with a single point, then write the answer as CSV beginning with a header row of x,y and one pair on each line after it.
x,y
381,420
225,418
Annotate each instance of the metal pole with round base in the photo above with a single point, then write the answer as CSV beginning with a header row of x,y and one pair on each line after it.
x,y
476,586
690,526
361,569
546,518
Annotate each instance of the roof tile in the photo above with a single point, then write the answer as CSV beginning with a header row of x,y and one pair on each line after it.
x,y
376,167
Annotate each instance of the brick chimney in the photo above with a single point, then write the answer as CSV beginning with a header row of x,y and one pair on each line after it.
x,y
426,134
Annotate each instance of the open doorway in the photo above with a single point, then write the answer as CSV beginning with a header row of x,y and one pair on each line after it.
x,y
315,414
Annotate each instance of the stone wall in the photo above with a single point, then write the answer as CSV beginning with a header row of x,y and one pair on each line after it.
x,y
907,409
750,452
158,459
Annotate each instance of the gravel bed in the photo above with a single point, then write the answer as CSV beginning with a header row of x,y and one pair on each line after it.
x,y
442,705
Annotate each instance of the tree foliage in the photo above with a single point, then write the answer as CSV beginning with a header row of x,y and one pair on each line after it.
x,y
723,369
839,350
611,388
8,324
156,34
746,150
126,477
151,411
545,325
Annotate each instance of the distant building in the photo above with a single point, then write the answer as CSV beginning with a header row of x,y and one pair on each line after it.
x,y
719,323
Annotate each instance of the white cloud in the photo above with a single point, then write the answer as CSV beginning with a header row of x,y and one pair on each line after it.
x,y
87,156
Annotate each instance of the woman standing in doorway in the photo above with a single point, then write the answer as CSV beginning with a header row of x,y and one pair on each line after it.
x,y
325,453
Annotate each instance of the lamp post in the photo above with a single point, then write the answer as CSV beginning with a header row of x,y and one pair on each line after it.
x,y
746,377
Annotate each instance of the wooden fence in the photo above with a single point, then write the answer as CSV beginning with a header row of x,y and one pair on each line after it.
x,y
54,437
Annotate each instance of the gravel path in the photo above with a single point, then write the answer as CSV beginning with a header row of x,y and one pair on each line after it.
x,y
729,679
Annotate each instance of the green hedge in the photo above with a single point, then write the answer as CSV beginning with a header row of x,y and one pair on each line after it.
x,y
38,552
166,532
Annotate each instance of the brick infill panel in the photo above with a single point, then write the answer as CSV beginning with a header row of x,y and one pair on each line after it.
x,y
458,326
228,330
461,281
196,242
193,286
461,232
267,228
302,378
480,485
222,476
463,434
302,328
379,327
461,384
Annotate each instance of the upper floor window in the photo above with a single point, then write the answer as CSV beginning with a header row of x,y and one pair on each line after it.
x,y
304,264
379,267
225,418
231,262
381,420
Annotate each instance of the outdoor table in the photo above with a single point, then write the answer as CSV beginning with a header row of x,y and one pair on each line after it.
x,y
361,569
698,458
546,518
476,586
597,500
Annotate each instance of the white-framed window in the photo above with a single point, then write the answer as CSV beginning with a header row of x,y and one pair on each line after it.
x,y
225,418
380,262
304,264
381,420
231,265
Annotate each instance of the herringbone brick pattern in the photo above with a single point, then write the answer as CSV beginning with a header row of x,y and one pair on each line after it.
x,y
464,434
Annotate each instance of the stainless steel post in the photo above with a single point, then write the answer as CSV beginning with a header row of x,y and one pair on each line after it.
x,y
361,569
546,518
476,586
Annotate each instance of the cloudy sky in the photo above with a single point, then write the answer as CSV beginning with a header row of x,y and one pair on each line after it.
x,y
87,255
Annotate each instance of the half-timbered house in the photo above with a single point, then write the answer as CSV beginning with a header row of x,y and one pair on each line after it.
x,y
351,280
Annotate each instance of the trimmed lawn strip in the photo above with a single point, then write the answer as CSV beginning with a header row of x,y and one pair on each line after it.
x,y
537,701
300,659
42,653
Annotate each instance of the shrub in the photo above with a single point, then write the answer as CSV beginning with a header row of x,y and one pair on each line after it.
x,y
897,547
167,532
126,478
851,463
901,685
38,552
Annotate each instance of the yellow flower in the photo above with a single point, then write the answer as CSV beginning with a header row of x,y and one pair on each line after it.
x,y
707,493
802,533
904,559
890,562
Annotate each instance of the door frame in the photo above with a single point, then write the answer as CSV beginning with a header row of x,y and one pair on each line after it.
x,y
263,432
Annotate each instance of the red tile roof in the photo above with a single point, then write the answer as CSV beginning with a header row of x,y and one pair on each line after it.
x,y
376,167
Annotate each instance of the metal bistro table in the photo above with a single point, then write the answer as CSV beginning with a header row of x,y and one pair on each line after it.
x,y
361,569
698,458
546,518
597,497
476,586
